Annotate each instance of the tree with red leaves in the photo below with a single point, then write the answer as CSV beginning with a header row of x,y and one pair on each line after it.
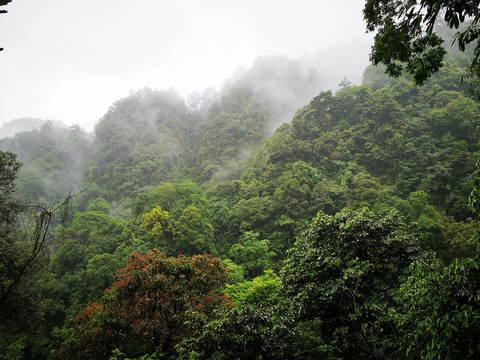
x,y
145,309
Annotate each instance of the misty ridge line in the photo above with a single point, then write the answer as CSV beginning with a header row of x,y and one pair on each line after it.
x,y
277,85
161,127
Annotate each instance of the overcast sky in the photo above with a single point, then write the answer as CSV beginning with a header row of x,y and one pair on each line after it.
x,y
69,60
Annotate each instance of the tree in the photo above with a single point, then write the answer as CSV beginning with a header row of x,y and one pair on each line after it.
x,y
242,332
156,222
439,310
258,292
192,233
19,248
252,254
340,276
145,309
24,238
406,39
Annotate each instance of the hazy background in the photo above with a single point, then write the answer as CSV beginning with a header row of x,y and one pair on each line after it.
x,y
70,60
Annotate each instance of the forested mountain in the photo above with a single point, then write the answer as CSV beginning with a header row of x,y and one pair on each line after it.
x,y
54,160
328,229
141,142
10,128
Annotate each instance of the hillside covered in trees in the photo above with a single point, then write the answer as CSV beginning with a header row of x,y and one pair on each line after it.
x,y
196,231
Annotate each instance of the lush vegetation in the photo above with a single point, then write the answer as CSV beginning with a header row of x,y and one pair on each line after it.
x,y
347,234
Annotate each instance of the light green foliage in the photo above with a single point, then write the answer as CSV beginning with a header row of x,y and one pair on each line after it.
x,y
252,253
99,204
236,272
176,218
156,223
14,351
261,291
171,197
98,231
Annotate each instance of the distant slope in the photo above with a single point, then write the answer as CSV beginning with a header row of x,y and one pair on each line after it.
x,y
53,161
395,147
10,128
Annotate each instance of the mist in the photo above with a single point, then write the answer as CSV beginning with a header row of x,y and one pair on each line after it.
x,y
69,61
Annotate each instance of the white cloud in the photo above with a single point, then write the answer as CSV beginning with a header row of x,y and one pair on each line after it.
x,y
84,101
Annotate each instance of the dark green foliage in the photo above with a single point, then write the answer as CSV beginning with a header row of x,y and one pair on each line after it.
x,y
9,206
438,310
240,333
369,148
24,239
18,252
192,233
341,275
405,37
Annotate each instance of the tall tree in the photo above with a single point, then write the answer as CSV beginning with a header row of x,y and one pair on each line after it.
x,y
340,276
24,237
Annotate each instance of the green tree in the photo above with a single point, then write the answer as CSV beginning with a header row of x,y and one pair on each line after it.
x,y
99,204
339,278
24,241
192,233
20,249
253,254
405,34
439,310
261,291
242,332
156,223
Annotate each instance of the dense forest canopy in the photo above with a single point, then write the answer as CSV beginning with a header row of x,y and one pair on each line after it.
x,y
196,231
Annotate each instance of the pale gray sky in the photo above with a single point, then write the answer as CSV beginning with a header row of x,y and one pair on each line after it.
x,y
69,60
